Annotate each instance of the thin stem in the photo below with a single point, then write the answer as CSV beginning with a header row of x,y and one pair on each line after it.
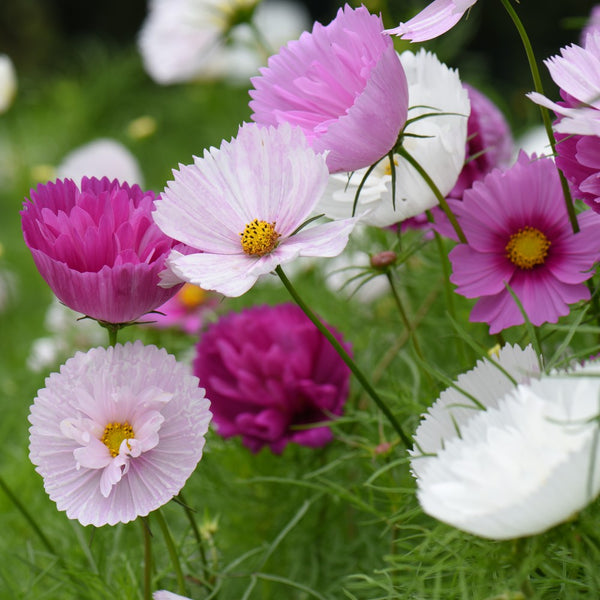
x,y
434,188
147,558
403,316
21,508
189,513
537,83
172,550
345,357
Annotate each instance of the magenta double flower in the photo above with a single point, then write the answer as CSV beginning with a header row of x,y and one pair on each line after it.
x,y
97,247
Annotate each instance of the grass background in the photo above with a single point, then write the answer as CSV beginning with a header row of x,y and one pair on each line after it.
x,y
339,522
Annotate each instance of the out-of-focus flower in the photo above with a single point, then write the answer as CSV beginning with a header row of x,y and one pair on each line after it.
x,y
179,37
519,235
342,84
117,432
185,310
269,372
436,142
522,466
68,332
101,158
142,127
489,142
577,73
183,40
97,247
164,595
8,82
593,24
240,205
479,389
534,141
434,20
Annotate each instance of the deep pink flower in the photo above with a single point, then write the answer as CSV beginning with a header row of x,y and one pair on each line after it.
x,y
185,310
519,234
98,248
117,432
269,370
343,84
434,20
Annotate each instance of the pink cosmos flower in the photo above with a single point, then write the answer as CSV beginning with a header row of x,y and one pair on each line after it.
x,y
185,310
240,206
117,432
592,25
577,73
97,247
269,371
343,84
434,20
519,234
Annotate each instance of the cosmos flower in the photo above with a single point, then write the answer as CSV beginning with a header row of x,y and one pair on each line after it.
x,y
519,235
240,205
97,247
8,83
522,466
479,389
101,158
117,432
577,73
164,595
185,310
434,20
179,38
436,142
593,24
269,372
342,84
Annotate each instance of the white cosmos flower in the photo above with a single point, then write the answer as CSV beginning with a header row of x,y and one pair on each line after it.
x,y
8,82
487,383
439,149
184,40
103,157
521,467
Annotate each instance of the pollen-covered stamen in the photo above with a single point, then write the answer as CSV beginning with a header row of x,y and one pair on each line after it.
x,y
114,434
259,238
527,248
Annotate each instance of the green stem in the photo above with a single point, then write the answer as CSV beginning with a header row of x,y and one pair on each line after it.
x,y
172,551
403,316
537,83
434,188
21,508
189,513
345,357
144,522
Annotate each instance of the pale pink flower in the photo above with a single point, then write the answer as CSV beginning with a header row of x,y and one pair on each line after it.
x,y
117,432
434,20
343,84
239,207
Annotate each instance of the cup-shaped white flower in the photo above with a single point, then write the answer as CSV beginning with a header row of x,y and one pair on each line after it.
x,y
478,389
240,207
117,432
436,141
524,466
8,82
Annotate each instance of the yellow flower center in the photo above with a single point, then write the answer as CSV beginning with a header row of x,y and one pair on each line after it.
x,y
527,248
259,238
388,166
114,434
192,296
